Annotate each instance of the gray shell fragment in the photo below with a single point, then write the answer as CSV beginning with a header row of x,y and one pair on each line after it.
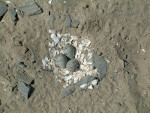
x,y
67,92
69,51
24,78
3,9
73,65
100,64
85,81
68,21
61,60
25,89
31,8
12,14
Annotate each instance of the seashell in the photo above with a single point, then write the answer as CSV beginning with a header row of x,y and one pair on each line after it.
x,y
59,46
80,47
61,60
95,82
86,42
69,51
90,87
50,44
51,31
73,65
74,37
75,79
83,86
67,78
55,38
64,71
75,44
58,35
78,54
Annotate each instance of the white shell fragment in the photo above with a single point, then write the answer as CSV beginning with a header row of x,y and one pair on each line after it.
x,y
90,87
94,82
55,38
83,86
51,31
67,78
50,44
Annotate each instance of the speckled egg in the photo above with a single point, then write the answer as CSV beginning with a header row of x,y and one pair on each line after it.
x,y
73,65
69,51
61,60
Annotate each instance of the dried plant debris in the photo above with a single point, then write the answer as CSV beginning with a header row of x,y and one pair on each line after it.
x,y
3,9
25,89
66,92
79,52
100,64
31,8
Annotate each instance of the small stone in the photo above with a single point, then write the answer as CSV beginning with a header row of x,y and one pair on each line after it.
x,y
31,8
75,23
73,65
25,89
85,81
12,13
69,51
61,60
100,64
67,92
68,21
3,9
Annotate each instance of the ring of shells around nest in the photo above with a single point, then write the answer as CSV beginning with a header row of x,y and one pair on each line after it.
x,y
83,55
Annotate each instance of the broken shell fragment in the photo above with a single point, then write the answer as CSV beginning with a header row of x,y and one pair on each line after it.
x,y
73,65
55,38
61,60
94,82
69,51
83,86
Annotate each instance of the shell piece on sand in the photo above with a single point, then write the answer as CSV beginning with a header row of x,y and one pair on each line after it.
x,y
95,82
50,44
64,71
69,51
61,60
86,42
66,92
3,8
90,87
67,78
85,80
73,65
51,31
25,89
83,86
55,38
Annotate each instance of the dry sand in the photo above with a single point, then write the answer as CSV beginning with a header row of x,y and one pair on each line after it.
x,y
119,30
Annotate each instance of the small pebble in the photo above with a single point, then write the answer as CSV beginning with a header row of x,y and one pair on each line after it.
x,y
83,86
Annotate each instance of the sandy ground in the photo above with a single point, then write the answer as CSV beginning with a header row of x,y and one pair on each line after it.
x,y
119,30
